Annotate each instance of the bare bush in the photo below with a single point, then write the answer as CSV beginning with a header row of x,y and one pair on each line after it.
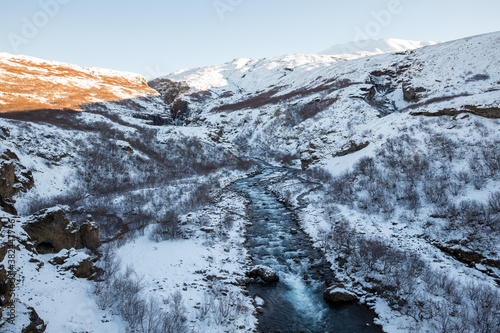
x,y
166,228
365,166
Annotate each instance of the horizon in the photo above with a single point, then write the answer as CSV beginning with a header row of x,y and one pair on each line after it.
x,y
157,38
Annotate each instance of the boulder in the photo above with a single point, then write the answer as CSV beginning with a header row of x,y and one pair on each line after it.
x,y
81,265
337,294
89,236
267,274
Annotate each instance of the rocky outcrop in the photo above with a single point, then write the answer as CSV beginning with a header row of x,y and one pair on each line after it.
x,y
337,294
309,155
36,325
353,147
486,112
172,92
5,294
14,178
411,94
267,274
83,268
51,232
89,236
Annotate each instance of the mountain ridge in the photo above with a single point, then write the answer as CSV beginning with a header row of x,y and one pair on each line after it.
x,y
369,47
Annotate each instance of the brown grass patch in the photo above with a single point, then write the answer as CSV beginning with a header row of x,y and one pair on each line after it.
x,y
27,85
269,97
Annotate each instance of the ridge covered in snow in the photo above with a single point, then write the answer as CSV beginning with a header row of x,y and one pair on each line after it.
x,y
369,47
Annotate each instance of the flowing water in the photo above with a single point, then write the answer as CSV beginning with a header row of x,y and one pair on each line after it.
x,y
295,303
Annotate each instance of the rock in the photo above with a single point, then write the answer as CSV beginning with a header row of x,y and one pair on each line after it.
x,y
337,294
293,231
411,94
58,260
259,310
486,112
207,229
5,288
309,155
7,206
259,301
14,177
353,147
36,325
89,236
267,274
51,232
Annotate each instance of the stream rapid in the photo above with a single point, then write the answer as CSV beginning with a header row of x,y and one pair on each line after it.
x,y
295,303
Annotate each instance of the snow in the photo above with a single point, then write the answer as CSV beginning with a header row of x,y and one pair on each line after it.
x,y
369,47
184,265
65,303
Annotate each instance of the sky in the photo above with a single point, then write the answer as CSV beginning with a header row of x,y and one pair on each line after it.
x,y
157,37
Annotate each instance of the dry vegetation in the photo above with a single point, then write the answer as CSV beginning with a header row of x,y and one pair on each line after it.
x,y
31,85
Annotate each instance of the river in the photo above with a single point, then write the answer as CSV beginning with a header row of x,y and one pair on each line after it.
x,y
295,303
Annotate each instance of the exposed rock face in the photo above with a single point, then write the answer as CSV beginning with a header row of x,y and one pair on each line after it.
x,y
37,325
84,269
51,233
267,274
353,147
337,294
4,288
13,178
89,236
487,112
172,92
411,94
309,155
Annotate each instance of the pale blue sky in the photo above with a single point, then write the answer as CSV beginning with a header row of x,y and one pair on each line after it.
x,y
156,37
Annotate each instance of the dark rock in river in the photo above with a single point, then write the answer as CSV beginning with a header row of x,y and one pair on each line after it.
x,y
267,274
336,294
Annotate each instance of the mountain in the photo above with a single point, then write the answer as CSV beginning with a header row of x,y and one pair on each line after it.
x,y
115,196
369,47
305,96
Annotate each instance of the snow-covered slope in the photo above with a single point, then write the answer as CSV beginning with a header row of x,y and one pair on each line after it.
x,y
298,100
400,154
369,47
69,134
28,83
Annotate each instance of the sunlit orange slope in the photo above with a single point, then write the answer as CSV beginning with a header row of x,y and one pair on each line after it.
x,y
28,83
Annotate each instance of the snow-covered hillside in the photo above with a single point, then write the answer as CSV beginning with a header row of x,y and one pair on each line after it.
x,y
369,47
321,102
400,154
85,169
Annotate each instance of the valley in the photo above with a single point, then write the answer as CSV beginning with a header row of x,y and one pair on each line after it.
x,y
243,196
